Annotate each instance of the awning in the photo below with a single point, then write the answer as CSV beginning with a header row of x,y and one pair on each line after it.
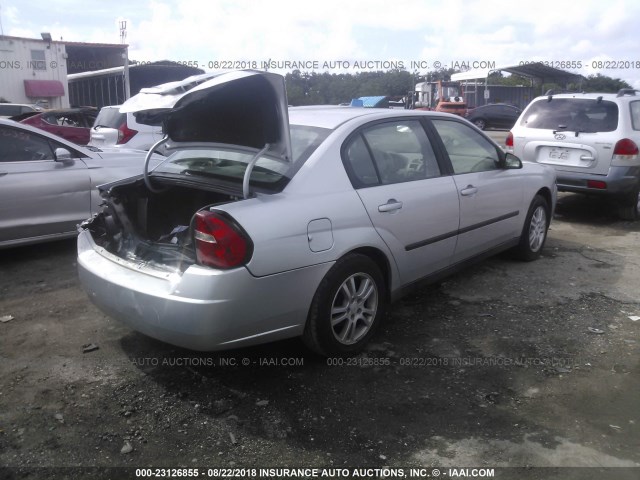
x,y
43,88
538,71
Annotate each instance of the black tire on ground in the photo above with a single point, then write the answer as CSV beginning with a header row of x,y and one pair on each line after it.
x,y
629,206
347,308
534,231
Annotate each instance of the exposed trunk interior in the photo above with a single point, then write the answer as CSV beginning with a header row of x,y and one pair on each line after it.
x,y
153,228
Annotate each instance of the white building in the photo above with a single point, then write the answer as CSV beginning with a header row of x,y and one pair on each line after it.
x,y
33,70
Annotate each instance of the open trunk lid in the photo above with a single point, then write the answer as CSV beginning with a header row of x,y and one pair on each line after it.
x,y
243,110
224,130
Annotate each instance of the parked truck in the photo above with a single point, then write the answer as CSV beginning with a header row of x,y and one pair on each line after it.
x,y
440,96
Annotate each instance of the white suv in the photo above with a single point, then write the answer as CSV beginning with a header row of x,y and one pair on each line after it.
x,y
591,139
113,128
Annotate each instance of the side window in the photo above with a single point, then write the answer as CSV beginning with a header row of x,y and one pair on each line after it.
x,y
401,151
19,146
50,119
359,163
635,114
468,150
69,120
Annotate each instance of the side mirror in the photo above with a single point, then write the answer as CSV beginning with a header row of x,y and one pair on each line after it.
x,y
512,162
62,154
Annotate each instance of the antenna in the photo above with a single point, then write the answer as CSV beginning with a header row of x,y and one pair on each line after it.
x,y
123,31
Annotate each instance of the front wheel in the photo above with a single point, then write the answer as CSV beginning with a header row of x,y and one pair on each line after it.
x,y
534,232
347,307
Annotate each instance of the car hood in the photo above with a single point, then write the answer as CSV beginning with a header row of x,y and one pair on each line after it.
x,y
243,110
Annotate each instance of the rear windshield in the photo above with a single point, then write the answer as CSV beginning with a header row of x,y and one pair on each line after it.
x,y
110,117
574,114
229,165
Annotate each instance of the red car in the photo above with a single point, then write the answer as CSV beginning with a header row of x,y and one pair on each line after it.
x,y
72,124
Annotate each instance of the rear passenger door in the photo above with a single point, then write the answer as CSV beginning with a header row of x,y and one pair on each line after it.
x,y
412,205
490,195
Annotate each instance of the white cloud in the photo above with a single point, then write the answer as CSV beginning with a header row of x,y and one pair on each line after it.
x,y
506,32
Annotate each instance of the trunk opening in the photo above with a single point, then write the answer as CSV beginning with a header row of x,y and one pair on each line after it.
x,y
149,228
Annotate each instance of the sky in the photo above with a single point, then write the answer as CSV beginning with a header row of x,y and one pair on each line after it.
x,y
347,36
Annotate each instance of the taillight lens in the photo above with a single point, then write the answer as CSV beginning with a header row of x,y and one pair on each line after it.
x,y
125,133
509,141
220,242
625,147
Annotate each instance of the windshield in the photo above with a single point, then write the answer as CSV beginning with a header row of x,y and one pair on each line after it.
x,y
448,92
573,114
230,165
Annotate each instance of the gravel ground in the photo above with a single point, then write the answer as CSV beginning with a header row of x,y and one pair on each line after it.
x,y
507,364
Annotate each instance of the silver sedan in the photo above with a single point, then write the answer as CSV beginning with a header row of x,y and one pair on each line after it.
x,y
267,222
49,185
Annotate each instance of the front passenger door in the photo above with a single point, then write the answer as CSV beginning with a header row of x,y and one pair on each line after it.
x,y
39,196
490,195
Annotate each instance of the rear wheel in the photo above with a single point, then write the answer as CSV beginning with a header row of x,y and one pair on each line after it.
x,y
347,307
534,232
629,208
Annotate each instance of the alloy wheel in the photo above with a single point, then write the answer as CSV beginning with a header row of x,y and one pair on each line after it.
x,y
537,228
354,308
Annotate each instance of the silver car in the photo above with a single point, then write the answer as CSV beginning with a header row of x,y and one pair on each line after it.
x,y
49,185
267,223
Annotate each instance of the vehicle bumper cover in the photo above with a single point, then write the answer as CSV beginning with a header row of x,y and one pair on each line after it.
x,y
202,308
619,180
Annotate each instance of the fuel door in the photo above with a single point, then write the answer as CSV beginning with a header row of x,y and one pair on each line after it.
x,y
320,235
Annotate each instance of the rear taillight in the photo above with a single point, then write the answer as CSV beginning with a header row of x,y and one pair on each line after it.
x,y
220,242
509,141
625,147
125,133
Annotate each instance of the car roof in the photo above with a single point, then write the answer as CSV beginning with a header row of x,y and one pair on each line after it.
x,y
332,116
70,110
21,105
591,96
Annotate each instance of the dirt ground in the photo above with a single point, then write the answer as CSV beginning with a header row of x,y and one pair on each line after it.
x,y
507,364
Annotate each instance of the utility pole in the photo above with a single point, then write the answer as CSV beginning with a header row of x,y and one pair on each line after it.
x,y
125,55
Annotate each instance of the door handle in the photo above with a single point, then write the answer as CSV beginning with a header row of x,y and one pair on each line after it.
x,y
587,158
2,174
469,190
391,205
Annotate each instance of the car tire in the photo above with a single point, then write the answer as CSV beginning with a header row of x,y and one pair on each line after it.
x,y
534,231
480,123
629,207
347,307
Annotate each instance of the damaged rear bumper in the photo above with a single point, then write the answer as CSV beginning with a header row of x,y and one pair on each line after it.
x,y
202,308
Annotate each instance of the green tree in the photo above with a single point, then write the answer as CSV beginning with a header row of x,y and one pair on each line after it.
x,y
498,78
603,83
